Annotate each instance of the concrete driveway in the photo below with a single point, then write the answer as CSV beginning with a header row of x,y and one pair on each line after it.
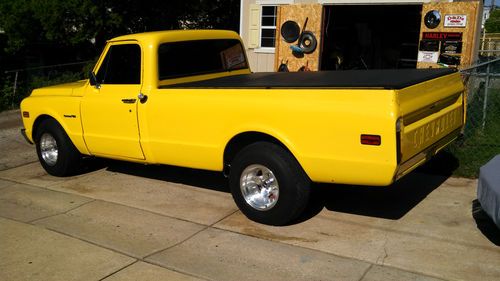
x,y
122,221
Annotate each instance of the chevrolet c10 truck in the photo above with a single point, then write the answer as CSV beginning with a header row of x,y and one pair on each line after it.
x,y
188,98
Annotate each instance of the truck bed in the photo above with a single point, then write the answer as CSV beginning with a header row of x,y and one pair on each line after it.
x,y
381,79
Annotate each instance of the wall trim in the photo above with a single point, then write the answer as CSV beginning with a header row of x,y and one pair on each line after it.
x,y
265,50
274,2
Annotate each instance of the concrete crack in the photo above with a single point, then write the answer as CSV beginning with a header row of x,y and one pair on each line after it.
x,y
62,213
385,254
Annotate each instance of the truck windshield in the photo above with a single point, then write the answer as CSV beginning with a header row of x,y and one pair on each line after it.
x,y
188,58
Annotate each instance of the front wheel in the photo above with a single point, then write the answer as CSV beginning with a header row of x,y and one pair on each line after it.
x,y
268,184
56,152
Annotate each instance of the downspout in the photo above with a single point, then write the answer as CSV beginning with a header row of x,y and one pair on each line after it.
x,y
241,18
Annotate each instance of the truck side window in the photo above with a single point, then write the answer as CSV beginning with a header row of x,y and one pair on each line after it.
x,y
122,65
187,58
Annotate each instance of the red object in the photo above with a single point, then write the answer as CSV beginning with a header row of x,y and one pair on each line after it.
x,y
371,139
450,36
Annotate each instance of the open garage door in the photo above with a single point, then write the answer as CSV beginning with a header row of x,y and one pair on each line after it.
x,y
370,36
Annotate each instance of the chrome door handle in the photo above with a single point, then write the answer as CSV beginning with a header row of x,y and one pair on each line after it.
x,y
128,100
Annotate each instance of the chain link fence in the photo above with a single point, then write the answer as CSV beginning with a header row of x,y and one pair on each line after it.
x,y
489,45
481,140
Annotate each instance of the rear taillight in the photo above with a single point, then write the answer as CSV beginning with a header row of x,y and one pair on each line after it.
x,y
371,139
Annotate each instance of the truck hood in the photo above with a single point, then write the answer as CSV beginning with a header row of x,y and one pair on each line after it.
x,y
68,89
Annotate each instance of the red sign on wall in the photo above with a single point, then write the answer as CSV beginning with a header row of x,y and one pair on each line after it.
x,y
441,36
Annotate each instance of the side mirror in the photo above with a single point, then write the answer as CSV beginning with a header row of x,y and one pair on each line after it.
x,y
93,80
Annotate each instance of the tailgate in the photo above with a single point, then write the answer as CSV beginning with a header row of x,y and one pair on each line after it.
x,y
432,115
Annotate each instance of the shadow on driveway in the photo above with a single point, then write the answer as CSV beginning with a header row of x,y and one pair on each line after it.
x,y
485,224
198,178
390,202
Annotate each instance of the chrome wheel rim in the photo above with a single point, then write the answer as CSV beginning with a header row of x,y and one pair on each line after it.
x,y
48,149
259,187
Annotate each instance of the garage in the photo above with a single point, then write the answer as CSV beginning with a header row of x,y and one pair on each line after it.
x,y
370,34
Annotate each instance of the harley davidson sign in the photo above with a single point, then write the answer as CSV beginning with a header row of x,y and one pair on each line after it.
x,y
442,36
455,20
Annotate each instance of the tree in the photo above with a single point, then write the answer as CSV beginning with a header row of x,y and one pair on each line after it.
x,y
50,31
35,33
72,23
492,24
18,23
211,14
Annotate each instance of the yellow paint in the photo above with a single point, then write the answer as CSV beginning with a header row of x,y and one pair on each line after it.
x,y
43,103
426,131
191,127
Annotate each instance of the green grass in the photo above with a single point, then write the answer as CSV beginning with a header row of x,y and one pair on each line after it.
x,y
480,143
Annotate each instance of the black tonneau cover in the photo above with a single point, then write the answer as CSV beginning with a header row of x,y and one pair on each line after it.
x,y
386,79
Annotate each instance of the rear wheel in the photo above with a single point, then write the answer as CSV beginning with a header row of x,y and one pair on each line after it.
x,y
268,184
56,152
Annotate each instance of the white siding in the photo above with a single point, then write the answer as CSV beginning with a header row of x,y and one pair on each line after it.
x,y
261,62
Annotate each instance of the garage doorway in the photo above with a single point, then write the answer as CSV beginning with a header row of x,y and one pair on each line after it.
x,y
370,36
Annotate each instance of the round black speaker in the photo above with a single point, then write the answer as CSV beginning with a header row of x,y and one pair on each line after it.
x,y
290,31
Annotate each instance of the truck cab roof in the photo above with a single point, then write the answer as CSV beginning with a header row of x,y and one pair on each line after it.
x,y
176,35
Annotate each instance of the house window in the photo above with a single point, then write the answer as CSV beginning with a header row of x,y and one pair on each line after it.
x,y
268,27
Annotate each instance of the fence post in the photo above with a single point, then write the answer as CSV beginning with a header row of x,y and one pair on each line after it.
x,y
486,86
483,41
14,92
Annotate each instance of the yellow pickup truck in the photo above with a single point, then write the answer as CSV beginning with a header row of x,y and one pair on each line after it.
x,y
188,98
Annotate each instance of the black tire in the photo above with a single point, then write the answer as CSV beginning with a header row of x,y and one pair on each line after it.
x,y
293,183
67,160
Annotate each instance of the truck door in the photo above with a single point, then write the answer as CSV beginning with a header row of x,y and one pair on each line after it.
x,y
109,108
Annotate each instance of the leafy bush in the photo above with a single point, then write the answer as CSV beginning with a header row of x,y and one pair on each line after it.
x,y
492,24
28,80
6,93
